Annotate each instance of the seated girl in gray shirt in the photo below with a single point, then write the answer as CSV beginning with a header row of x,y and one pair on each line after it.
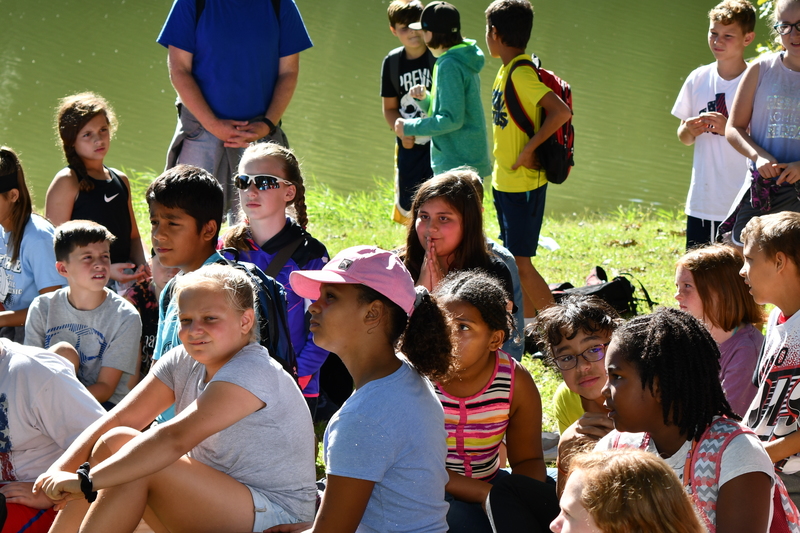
x,y
239,455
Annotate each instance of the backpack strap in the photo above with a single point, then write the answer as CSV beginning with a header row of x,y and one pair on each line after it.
x,y
702,477
283,256
514,106
394,69
650,302
166,296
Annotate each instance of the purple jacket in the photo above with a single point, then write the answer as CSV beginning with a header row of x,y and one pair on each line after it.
x,y
310,255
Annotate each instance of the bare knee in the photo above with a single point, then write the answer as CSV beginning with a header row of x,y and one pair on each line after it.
x,y
68,352
111,442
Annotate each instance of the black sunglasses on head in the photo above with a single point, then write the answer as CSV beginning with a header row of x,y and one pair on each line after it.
x,y
263,182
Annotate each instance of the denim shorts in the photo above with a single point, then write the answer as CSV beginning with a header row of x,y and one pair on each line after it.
x,y
268,513
520,217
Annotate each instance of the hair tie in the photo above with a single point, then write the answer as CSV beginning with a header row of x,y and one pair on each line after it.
x,y
421,292
86,484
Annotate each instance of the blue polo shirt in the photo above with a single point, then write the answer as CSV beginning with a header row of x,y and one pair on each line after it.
x,y
236,46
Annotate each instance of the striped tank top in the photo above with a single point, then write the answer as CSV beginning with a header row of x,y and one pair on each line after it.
x,y
476,425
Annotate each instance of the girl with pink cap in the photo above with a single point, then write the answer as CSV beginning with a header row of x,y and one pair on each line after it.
x,y
385,448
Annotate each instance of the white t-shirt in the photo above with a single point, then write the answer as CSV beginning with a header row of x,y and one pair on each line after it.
x,y
43,408
744,454
718,170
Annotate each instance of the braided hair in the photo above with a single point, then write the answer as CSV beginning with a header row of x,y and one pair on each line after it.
x,y
676,349
237,236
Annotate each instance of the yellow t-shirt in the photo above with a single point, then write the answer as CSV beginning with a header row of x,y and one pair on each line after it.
x,y
567,407
509,139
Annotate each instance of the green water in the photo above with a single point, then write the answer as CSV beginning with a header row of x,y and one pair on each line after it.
x,y
625,60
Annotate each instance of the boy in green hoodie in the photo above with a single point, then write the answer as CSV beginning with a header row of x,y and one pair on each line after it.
x,y
455,120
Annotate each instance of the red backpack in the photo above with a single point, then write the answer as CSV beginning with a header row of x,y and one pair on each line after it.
x,y
556,153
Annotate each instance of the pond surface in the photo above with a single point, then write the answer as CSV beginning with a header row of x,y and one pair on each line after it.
x,y
626,61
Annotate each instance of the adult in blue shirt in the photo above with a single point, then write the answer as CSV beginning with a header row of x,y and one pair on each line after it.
x,y
234,65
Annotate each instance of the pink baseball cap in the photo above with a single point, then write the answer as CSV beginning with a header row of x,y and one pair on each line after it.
x,y
378,269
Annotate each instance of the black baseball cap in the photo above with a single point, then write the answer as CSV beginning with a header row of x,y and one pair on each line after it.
x,y
438,17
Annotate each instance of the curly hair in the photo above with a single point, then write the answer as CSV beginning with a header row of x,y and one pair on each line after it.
x,y
72,114
482,291
21,209
570,316
425,337
740,12
455,188
236,236
726,298
676,349
629,490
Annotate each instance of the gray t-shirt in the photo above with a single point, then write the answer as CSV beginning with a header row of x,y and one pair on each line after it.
x,y
106,336
271,449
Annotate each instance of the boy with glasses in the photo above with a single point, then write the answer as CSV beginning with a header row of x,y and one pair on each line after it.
x,y
575,334
718,170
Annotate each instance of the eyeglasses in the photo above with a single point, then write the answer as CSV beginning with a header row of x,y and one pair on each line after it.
x,y
784,28
263,182
592,355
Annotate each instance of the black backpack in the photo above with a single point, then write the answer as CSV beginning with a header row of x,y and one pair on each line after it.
x,y
273,322
619,293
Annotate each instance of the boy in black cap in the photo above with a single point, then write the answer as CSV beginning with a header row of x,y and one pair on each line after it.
x,y
455,118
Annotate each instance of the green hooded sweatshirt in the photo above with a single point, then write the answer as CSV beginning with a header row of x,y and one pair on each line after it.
x,y
455,118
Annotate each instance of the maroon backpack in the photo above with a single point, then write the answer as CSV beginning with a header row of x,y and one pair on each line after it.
x,y
556,153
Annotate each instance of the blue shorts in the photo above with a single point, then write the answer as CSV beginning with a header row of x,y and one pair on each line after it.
x,y
520,217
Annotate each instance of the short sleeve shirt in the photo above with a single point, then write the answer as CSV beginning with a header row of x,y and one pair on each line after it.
x,y
509,139
236,47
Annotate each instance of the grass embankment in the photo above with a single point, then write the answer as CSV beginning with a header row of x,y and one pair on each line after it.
x,y
633,239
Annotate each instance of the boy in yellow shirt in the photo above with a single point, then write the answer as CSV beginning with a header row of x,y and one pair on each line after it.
x,y
519,186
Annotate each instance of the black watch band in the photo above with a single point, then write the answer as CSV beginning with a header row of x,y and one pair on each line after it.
x,y
86,483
